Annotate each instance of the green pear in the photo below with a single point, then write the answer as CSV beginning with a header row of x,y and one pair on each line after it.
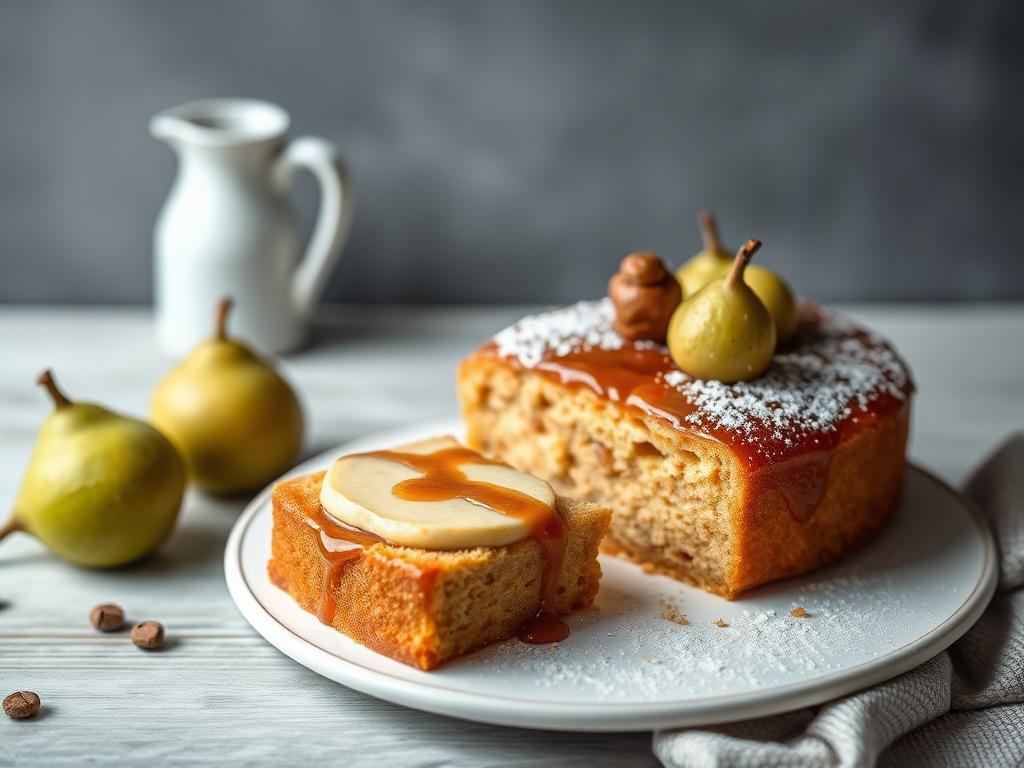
x,y
101,489
235,420
777,298
723,331
710,264
713,263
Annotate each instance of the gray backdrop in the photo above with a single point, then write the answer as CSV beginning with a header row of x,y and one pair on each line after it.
x,y
514,151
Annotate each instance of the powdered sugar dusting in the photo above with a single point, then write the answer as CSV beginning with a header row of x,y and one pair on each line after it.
x,y
835,374
582,326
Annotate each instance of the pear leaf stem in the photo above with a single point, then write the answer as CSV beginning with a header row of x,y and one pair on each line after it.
x,y
748,249
10,526
223,310
46,380
709,232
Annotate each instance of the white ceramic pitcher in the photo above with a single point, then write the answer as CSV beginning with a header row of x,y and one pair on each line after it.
x,y
227,228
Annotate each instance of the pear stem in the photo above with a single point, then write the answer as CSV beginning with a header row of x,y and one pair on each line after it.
x,y
9,527
60,400
748,249
709,232
223,309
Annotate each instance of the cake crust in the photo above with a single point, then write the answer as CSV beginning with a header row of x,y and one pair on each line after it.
x,y
425,607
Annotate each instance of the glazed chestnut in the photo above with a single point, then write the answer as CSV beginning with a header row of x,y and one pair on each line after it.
x,y
645,295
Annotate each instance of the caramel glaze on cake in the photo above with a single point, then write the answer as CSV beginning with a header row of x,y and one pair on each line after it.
x,y
724,485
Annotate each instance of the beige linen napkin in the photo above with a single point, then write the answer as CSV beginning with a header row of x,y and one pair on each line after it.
x,y
964,708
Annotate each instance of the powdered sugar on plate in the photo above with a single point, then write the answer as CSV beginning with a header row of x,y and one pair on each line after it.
x,y
833,374
624,649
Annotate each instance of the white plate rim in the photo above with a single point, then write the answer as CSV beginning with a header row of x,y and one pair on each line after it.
x,y
496,709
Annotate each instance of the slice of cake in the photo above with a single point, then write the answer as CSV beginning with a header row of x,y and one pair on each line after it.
x,y
429,551
726,486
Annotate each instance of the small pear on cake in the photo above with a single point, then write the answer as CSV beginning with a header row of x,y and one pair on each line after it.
x,y
714,262
723,331
427,551
708,264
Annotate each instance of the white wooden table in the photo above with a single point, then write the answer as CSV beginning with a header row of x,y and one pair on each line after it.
x,y
220,694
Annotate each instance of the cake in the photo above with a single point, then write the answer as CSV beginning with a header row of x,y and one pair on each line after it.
x,y
726,486
426,606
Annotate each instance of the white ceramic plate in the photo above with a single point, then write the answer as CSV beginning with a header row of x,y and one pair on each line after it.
x,y
896,603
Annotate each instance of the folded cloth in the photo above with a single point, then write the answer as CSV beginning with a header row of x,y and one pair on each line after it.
x,y
963,708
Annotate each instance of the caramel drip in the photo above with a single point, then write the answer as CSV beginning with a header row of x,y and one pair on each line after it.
x,y
801,481
340,546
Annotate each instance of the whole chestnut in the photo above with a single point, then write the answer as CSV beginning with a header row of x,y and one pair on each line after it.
x,y
645,294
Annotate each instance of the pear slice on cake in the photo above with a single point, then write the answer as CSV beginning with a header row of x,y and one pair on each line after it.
x,y
362,490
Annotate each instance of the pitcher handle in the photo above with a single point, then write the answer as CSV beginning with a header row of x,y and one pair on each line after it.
x,y
333,221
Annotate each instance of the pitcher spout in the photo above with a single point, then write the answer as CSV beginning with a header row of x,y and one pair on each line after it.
x,y
164,127
220,122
